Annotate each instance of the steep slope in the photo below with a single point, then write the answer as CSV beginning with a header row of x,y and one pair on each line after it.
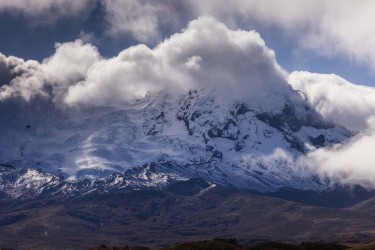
x,y
200,134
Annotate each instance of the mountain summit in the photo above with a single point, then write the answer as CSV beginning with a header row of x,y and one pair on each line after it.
x,y
160,139
180,110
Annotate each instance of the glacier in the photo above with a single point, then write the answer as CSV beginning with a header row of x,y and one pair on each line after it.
x,y
195,135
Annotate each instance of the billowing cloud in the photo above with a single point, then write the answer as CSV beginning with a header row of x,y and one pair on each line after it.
x,y
26,78
347,164
244,69
330,28
119,80
352,106
69,64
351,163
52,77
337,99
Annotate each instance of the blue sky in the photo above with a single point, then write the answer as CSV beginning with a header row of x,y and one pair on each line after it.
x,y
32,33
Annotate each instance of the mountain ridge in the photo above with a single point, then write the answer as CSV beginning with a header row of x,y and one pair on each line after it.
x,y
199,135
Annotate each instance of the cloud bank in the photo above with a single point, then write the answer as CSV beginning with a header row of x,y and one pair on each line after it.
x,y
351,163
337,99
77,75
207,54
333,28
25,78
52,77
352,106
329,28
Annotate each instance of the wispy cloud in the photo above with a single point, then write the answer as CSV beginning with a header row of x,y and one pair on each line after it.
x,y
328,28
144,20
351,163
336,99
47,12
350,105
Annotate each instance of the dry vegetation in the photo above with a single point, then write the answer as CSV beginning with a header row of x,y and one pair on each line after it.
x,y
157,218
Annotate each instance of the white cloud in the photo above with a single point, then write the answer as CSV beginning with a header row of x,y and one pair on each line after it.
x,y
119,80
351,163
67,66
337,99
244,68
193,62
330,28
350,105
347,164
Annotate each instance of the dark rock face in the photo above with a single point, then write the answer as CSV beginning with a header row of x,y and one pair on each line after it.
x,y
222,133
211,193
228,131
288,123
190,187
184,113
318,141
288,120
217,154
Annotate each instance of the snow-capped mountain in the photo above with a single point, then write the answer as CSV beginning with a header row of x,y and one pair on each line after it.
x,y
157,140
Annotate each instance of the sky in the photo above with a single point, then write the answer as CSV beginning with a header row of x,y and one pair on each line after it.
x,y
111,52
316,36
